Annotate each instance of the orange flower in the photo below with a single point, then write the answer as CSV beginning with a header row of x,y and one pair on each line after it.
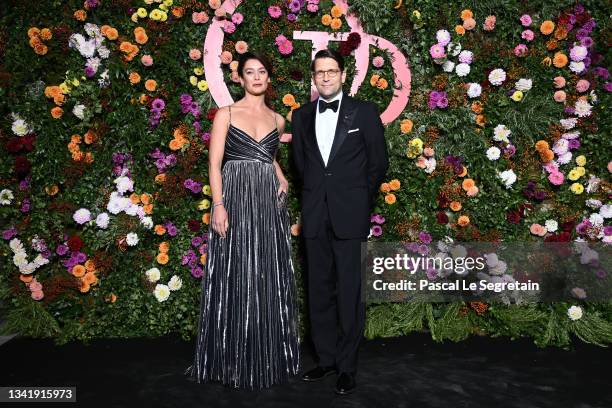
x,y
559,60
164,247
84,287
547,27
89,158
112,34
395,184
463,172
89,137
46,34
455,205
111,298
288,100
385,188
175,144
90,278
78,270
59,99
41,49
25,278
390,198
295,230
476,107
541,145
560,33
460,30
150,85
57,112
406,126
90,265
463,220
336,11
481,120
336,23
472,191
145,198
160,178
80,15
162,258
374,79
382,83
140,35
33,32
326,19
467,13
467,184
125,46
52,190
178,12
159,229
148,209
206,218
134,198
203,259
547,155
143,99
134,78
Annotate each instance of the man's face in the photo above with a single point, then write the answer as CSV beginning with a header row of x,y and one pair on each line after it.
x,y
327,77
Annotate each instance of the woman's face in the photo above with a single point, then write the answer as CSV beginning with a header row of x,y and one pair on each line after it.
x,y
255,77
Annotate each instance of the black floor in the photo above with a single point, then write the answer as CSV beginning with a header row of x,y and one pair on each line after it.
x,y
411,371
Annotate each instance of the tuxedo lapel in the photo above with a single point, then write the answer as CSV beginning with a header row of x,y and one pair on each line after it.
x,y
311,132
348,108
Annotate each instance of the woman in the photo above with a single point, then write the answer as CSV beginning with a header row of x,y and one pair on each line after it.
x,y
248,330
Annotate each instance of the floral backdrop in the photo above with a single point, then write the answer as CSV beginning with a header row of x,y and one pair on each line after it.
x,y
106,112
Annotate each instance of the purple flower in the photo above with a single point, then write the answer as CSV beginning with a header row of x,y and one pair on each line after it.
x,y
608,230
185,99
196,241
587,42
437,100
291,17
573,144
158,104
25,183
295,6
203,249
9,233
608,86
431,273
425,237
376,231
171,229
197,272
206,137
510,150
89,71
25,205
377,218
423,249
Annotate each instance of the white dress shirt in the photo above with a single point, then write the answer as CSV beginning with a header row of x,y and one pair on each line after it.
x,y
325,127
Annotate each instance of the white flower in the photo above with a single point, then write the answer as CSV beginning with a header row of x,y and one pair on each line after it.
x,y
20,127
16,245
508,177
40,260
86,48
593,203
131,238
474,90
499,268
462,69
103,52
453,49
443,37
102,220
576,67
596,219
116,204
20,258
448,66
523,84
578,52
501,133
153,275
493,153
571,135
551,225
578,293
175,283
161,292
124,184
497,76
430,165
606,211
147,222
582,108
6,196
569,123
27,268
492,259
574,312
132,209
564,158
593,184
79,111
81,216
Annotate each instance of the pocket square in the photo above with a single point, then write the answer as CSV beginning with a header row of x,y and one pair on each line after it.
x,y
353,130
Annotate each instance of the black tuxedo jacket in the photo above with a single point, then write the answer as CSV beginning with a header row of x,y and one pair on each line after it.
x,y
357,164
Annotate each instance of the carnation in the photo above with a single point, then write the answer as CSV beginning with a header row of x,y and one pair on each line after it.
x,y
493,153
175,283
523,84
448,66
131,238
437,51
462,69
508,177
6,196
79,111
81,216
443,37
102,220
501,133
551,225
576,67
453,48
474,90
147,222
466,56
20,127
497,76
124,184
578,53
153,274
582,108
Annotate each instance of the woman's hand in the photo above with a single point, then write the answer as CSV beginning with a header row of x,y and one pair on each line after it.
x,y
283,187
219,221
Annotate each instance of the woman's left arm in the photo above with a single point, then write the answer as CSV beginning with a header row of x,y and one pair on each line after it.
x,y
284,185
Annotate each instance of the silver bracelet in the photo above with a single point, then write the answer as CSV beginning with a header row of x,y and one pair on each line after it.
x,y
216,204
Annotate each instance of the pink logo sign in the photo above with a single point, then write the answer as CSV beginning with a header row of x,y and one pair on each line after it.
x,y
218,89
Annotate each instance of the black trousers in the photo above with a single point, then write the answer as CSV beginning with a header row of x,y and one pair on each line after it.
x,y
337,313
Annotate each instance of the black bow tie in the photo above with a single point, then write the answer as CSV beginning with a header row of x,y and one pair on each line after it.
x,y
323,106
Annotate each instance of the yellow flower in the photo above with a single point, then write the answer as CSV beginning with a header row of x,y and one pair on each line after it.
x,y
163,7
168,3
164,16
134,18
155,14
416,14
64,88
141,12
206,190
573,175
198,71
581,160
75,82
581,170
517,96
204,205
415,147
193,80
577,188
203,85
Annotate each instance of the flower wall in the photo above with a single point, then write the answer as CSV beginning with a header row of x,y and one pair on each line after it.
x,y
106,112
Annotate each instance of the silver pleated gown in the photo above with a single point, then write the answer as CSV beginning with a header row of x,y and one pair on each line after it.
x,y
248,328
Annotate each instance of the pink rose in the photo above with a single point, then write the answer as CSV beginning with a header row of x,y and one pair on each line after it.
x,y
559,82
437,51
37,295
226,57
195,54
235,77
526,20
146,60
199,18
428,152
229,27
472,191
378,61
241,47
560,96
582,85
274,11
286,48
421,162
556,178
520,50
527,35
537,229
35,286
237,18
551,167
214,4
489,23
469,23
313,8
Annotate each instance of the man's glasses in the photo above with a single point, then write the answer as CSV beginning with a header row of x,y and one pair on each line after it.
x,y
331,73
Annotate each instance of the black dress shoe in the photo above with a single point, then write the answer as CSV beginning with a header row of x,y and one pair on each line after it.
x,y
345,384
318,373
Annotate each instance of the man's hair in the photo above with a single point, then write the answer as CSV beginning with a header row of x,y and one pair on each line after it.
x,y
328,53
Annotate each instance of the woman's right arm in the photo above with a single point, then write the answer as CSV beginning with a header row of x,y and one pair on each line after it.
x,y
216,149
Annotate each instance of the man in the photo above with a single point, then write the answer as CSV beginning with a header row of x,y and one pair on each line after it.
x,y
340,153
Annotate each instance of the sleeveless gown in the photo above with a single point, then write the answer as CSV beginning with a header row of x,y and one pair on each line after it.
x,y
248,330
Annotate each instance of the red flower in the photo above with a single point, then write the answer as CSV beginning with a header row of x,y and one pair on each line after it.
x,y
13,145
194,225
441,217
210,115
22,165
354,39
75,243
513,217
